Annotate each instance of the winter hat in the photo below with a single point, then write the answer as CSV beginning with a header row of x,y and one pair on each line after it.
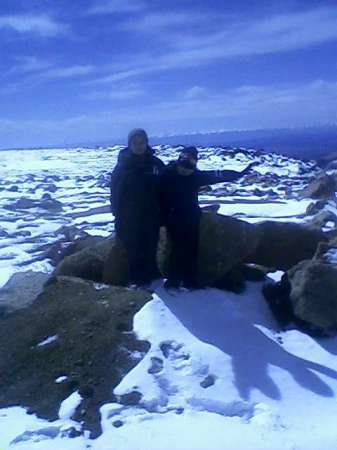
x,y
137,132
191,151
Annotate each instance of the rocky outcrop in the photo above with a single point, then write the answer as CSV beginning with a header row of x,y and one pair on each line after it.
x,y
324,187
224,242
75,330
21,290
282,244
314,293
46,203
307,293
88,263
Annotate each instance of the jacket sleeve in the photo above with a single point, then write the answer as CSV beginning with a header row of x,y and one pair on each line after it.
x,y
206,177
115,187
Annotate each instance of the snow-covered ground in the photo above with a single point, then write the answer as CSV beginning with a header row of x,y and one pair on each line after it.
x,y
219,374
78,179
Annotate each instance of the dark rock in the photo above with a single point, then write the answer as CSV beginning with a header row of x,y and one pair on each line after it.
x,y
157,365
88,263
117,423
13,188
282,245
208,381
131,399
314,293
315,207
323,187
224,242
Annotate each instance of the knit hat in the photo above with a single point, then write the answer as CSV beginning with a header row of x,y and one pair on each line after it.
x,y
191,151
137,132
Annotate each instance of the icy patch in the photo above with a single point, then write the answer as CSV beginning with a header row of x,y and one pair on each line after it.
x,y
266,210
276,276
47,341
69,406
61,379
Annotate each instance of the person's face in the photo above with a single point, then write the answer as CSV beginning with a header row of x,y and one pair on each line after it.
x,y
138,145
187,161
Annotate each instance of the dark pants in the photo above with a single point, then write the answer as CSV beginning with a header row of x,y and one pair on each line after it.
x,y
184,237
140,239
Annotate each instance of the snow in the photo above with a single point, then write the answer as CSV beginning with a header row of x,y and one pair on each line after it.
x,y
47,341
219,373
69,405
263,388
276,276
266,210
61,379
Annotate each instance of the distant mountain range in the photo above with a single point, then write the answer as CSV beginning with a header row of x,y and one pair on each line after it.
x,y
319,142
304,143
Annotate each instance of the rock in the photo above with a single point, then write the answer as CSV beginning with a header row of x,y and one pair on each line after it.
x,y
321,219
103,181
116,267
324,187
49,187
3,233
63,248
282,245
89,348
224,242
21,290
208,381
88,263
315,207
13,188
22,203
130,399
47,202
314,293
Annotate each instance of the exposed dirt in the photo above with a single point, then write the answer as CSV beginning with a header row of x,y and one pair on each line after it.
x,y
93,348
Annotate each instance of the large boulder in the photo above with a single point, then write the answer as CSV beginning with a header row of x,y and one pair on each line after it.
x,y
284,244
63,248
314,293
46,202
21,290
323,187
76,336
116,267
313,288
99,259
87,263
224,242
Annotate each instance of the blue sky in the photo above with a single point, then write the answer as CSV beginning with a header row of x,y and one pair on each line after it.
x,y
89,70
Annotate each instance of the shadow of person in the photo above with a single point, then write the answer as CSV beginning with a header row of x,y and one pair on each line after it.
x,y
234,325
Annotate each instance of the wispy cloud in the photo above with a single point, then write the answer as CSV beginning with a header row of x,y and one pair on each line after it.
x,y
196,92
245,107
28,64
153,22
116,6
67,72
42,25
117,93
38,72
272,35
